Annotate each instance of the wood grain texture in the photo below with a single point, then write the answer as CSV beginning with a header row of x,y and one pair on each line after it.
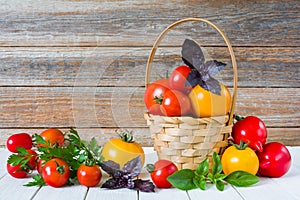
x,y
82,63
119,66
138,23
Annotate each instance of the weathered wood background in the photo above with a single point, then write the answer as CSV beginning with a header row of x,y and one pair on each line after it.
x,y
82,63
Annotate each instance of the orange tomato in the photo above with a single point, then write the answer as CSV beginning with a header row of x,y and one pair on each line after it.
x,y
208,104
53,136
234,159
121,150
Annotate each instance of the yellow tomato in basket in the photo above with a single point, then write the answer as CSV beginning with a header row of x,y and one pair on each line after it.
x,y
208,104
123,149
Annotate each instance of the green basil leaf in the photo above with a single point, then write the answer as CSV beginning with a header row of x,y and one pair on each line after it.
x,y
219,177
241,179
220,185
200,183
183,179
217,167
203,167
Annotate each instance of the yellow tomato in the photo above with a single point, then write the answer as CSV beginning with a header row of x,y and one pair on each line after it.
x,y
208,104
234,159
121,150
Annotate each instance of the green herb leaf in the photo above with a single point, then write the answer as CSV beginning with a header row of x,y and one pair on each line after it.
x,y
38,181
241,179
203,167
200,183
217,167
183,179
220,185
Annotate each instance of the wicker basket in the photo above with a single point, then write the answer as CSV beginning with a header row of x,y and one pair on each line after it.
x,y
186,140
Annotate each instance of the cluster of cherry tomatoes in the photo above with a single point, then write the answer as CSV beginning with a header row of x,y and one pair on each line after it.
x,y
55,172
174,96
254,155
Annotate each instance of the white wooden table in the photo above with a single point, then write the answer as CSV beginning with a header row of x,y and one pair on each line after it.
x,y
286,187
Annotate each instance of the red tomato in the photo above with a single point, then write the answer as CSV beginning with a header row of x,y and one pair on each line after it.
x,y
275,160
89,176
32,163
56,172
155,90
40,165
16,171
175,103
163,169
19,140
250,129
53,136
178,81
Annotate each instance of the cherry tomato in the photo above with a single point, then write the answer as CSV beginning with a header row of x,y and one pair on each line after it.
x,y
234,159
16,171
89,176
275,160
53,136
40,165
56,172
175,103
163,169
123,149
208,104
32,162
19,140
155,90
250,129
178,78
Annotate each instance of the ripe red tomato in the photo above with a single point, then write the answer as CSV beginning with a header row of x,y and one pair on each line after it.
x,y
32,162
178,78
163,169
16,171
19,140
53,136
89,176
56,172
275,160
40,165
175,103
250,129
155,90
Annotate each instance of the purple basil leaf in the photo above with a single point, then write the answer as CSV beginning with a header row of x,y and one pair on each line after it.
x,y
192,54
194,78
111,167
115,183
213,67
133,167
143,185
213,86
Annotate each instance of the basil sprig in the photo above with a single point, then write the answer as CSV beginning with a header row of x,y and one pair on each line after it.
x,y
187,179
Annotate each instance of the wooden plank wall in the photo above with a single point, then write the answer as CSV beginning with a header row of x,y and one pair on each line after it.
x,y
82,63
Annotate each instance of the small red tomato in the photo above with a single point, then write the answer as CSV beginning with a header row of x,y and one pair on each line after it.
x,y
89,176
56,172
32,162
275,160
178,80
40,165
175,103
162,170
250,129
155,90
16,171
53,136
19,140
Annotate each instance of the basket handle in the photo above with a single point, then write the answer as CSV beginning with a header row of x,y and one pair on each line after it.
x,y
234,66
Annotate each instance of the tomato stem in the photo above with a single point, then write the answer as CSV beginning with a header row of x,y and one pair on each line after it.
x,y
158,100
60,168
241,146
126,136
